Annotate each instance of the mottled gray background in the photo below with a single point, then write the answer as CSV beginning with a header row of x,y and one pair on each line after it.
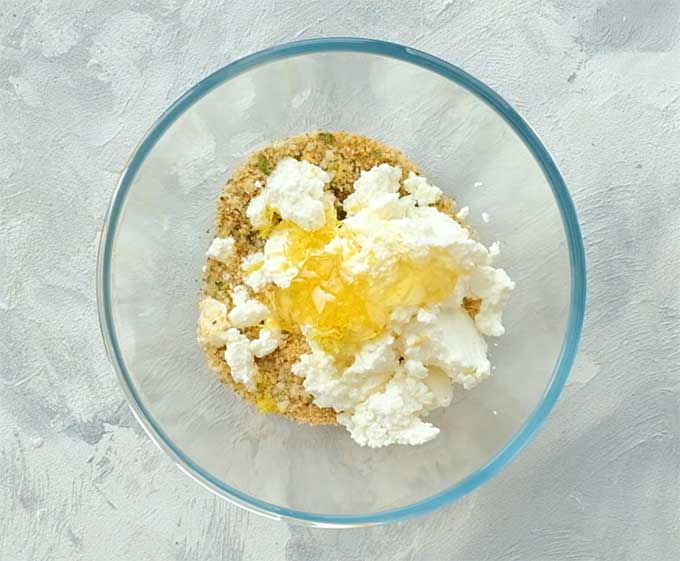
x,y
80,82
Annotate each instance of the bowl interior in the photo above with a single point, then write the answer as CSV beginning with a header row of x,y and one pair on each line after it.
x,y
163,229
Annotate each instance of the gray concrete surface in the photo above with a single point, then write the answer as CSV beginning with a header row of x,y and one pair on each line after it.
x,y
80,82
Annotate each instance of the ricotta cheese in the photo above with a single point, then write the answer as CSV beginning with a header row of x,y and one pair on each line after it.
x,y
493,287
266,343
246,311
380,180
276,267
252,267
221,249
212,322
295,191
343,390
424,193
379,297
392,416
240,359
448,339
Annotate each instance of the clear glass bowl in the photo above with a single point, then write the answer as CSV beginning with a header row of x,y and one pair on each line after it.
x,y
468,141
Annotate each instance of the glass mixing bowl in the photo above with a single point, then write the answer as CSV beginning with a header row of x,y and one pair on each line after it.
x,y
468,141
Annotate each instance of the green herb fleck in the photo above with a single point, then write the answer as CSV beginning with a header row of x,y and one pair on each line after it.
x,y
218,285
326,137
263,164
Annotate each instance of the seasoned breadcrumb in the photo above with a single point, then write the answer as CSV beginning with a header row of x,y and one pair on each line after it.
x,y
344,156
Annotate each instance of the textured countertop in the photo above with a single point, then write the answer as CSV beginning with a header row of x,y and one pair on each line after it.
x,y
80,83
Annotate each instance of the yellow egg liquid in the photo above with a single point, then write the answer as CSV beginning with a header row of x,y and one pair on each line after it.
x,y
343,313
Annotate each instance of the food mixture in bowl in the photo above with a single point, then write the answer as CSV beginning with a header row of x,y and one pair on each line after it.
x,y
342,287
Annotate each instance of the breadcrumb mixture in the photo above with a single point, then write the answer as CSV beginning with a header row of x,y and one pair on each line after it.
x,y
343,154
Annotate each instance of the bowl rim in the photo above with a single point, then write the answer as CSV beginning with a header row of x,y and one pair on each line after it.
x,y
576,258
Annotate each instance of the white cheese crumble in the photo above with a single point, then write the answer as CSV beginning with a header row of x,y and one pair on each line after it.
x,y
252,267
294,190
424,193
411,368
379,400
212,322
380,180
392,381
276,267
485,217
493,287
463,213
373,366
221,249
257,210
392,416
450,341
252,261
266,343
240,359
246,311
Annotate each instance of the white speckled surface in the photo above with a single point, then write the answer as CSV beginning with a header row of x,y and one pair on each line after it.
x,y
80,82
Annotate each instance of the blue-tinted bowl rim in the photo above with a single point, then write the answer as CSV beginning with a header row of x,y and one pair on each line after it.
x,y
569,219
